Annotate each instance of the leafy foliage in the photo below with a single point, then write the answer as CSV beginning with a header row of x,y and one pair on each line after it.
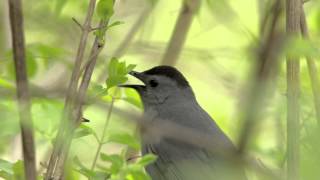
x,y
11,171
117,72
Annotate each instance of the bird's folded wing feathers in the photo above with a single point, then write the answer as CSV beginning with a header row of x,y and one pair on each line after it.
x,y
181,160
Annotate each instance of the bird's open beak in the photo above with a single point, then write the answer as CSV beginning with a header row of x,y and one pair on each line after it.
x,y
139,76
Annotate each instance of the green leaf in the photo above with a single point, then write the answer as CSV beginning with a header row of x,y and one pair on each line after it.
x,y
147,159
78,163
114,81
116,23
18,170
130,67
6,166
137,174
82,169
6,84
122,69
112,68
126,139
105,9
117,72
84,130
116,161
59,6
97,90
132,97
32,65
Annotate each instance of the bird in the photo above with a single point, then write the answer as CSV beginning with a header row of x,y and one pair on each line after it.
x,y
167,97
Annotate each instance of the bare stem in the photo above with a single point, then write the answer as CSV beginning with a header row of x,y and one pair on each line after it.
x,y
293,89
101,141
80,96
86,28
26,125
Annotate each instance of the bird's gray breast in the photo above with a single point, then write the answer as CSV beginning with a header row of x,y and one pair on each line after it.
x,y
178,159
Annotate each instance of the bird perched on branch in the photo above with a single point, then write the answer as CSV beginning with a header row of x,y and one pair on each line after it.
x,y
203,152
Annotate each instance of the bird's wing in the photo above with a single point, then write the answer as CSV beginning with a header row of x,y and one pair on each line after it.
x,y
180,160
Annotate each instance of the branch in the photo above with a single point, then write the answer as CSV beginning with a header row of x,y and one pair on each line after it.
x,y
313,72
26,125
265,71
180,32
76,110
86,28
293,16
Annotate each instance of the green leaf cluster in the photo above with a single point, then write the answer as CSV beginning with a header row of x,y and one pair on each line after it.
x,y
117,72
116,167
11,171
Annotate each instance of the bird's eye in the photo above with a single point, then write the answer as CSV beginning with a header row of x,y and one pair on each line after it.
x,y
153,83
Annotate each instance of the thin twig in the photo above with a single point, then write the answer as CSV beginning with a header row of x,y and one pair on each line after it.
x,y
102,138
24,106
180,32
78,23
313,71
293,18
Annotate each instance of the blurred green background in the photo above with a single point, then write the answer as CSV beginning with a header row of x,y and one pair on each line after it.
x,y
216,59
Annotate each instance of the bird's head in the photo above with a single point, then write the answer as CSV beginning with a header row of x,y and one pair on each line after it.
x,y
161,84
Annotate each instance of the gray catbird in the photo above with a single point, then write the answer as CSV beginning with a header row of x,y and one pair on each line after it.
x,y
168,97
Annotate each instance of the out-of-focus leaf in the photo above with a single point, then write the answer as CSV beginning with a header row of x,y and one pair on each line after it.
x,y
132,97
130,67
59,6
147,159
115,80
116,161
105,9
83,169
297,47
18,170
126,139
6,167
84,130
116,23
31,64
97,90
137,173
78,163
6,84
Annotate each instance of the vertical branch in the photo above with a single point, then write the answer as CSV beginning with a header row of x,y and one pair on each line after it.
x,y
293,82
180,32
265,71
313,72
57,172
16,21
73,84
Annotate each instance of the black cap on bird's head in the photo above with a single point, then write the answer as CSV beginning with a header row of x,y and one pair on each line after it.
x,y
169,72
165,71
161,84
